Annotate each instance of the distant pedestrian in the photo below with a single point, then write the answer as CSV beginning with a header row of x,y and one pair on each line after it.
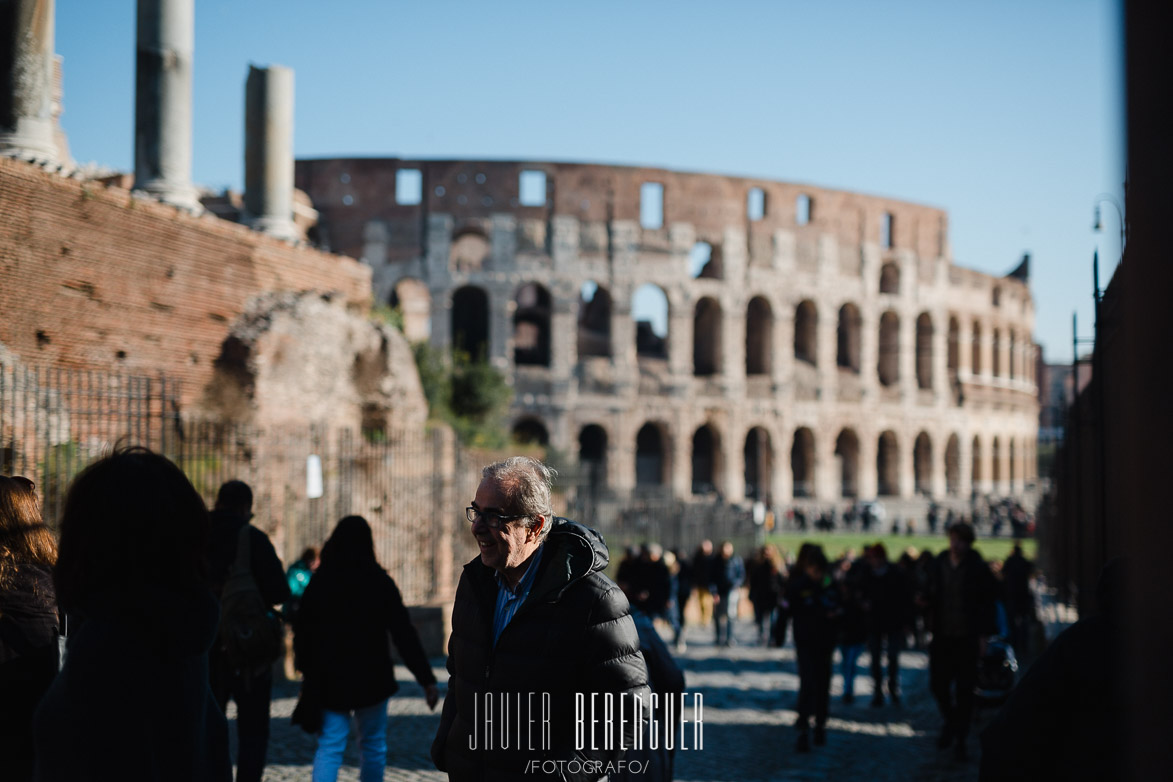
x,y
889,616
853,630
702,565
812,600
765,590
1017,572
726,575
298,577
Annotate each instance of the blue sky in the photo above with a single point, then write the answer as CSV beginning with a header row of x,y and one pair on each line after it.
x,y
1007,114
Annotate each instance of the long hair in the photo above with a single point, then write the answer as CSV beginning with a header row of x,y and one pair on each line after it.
x,y
24,537
351,547
131,519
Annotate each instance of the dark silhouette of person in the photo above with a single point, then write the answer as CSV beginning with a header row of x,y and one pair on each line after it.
x,y
1066,719
888,600
962,595
28,621
251,688
133,701
348,609
1017,571
813,602
726,575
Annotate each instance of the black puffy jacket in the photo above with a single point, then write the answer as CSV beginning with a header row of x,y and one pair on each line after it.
x,y
574,634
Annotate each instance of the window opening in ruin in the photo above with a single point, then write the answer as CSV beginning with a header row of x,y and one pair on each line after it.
x,y
594,320
758,464
651,205
704,262
414,302
803,210
975,471
953,356
755,204
409,186
806,323
705,445
848,338
531,326
530,431
759,337
649,456
649,309
1013,350
592,458
531,187
922,464
847,454
468,252
888,368
975,358
888,466
706,338
996,296
802,463
470,322
887,231
953,466
924,351
996,353
890,278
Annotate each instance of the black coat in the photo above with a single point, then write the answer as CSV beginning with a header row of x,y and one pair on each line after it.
x,y
574,634
887,600
816,608
341,638
979,593
263,561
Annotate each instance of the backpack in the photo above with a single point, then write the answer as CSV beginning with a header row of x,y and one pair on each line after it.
x,y
251,635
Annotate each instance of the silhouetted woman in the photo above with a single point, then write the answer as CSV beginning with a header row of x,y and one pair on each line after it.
x,y
28,621
812,601
346,613
133,701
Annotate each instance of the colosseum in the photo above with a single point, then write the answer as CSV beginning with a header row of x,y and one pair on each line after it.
x,y
817,344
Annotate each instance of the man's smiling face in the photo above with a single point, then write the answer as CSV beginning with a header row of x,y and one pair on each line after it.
x,y
507,548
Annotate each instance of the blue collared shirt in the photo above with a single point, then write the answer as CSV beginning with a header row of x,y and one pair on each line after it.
x,y
509,600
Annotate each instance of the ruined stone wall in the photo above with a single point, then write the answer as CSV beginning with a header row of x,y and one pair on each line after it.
x,y
93,278
830,348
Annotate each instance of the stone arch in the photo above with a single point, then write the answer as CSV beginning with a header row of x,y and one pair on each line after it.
x,y
651,456
975,470
706,460
759,464
594,320
922,464
706,338
759,337
1011,344
924,351
888,367
953,465
468,251
996,464
414,302
806,326
996,353
705,262
802,463
975,362
890,278
531,325
953,351
530,431
848,350
592,455
888,465
649,309
1012,462
470,322
847,453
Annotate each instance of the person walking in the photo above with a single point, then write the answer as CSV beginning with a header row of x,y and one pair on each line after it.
x,y
727,574
348,609
765,590
888,598
812,600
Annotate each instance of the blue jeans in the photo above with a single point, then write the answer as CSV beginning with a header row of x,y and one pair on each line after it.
x,y
851,653
372,743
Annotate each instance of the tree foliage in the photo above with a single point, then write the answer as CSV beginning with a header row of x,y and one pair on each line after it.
x,y
471,396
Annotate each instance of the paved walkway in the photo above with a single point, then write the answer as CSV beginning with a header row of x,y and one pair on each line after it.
x,y
749,694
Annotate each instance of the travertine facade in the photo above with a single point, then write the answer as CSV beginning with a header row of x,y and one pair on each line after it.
x,y
828,348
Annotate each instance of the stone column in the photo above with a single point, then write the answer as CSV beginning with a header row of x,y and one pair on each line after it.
x,y
268,151
26,80
162,101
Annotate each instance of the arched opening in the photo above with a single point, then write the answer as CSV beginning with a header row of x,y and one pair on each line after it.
x,y
759,337
847,453
1012,473
847,353
649,457
706,338
414,302
470,322
469,251
802,463
530,431
924,351
649,309
975,470
996,353
889,363
806,325
922,464
706,445
594,321
953,354
953,465
759,464
531,326
1012,350
592,456
996,464
890,278
975,361
888,465
704,262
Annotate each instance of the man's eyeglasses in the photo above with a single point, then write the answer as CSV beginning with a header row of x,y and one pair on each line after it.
x,y
490,519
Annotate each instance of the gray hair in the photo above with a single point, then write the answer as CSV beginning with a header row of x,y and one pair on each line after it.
x,y
526,484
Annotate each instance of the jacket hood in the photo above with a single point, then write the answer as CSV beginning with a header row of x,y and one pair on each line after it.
x,y
572,551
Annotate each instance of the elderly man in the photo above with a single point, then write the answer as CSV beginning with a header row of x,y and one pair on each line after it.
x,y
544,662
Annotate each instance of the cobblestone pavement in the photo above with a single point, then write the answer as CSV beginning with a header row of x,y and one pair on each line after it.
x,y
748,694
